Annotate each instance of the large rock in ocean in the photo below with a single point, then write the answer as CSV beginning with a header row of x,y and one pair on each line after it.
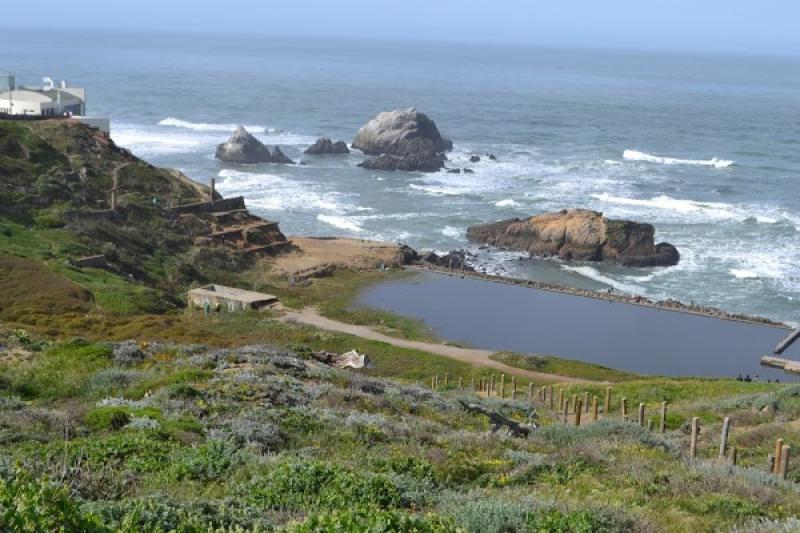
x,y
245,149
579,234
411,139
324,145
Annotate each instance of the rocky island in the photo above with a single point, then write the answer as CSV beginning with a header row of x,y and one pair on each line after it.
x,y
405,139
579,234
243,148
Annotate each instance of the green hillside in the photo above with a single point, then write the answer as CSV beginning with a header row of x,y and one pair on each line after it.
x,y
121,410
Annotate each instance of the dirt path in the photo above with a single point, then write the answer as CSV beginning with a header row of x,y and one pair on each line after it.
x,y
467,355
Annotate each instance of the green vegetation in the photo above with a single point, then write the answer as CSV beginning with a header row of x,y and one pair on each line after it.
x,y
227,423
562,367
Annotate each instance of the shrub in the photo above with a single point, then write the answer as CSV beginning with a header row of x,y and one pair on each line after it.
x,y
128,353
30,505
729,507
107,418
164,514
317,485
211,461
374,521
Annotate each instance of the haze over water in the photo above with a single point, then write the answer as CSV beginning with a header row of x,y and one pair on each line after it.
x,y
705,147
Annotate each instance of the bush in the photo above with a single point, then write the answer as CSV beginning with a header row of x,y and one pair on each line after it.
x,y
29,505
128,353
374,521
107,418
316,485
209,462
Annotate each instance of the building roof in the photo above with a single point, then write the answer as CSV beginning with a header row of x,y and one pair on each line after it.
x,y
27,96
230,293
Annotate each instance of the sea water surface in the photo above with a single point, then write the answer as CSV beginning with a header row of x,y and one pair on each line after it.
x,y
705,147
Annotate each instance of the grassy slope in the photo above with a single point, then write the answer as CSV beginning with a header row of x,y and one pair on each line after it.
x,y
416,447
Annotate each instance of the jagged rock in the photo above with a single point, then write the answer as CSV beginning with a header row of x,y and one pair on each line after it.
x,y
456,260
475,159
325,145
491,157
454,171
279,157
411,139
427,162
579,234
243,148
468,171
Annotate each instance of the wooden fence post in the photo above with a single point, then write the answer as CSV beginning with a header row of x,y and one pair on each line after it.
x,y
578,409
663,426
770,463
623,406
693,442
550,388
460,383
472,384
574,400
433,383
723,438
586,401
565,411
594,408
513,387
560,399
502,385
492,386
734,455
778,450
607,409
641,414
446,379
784,467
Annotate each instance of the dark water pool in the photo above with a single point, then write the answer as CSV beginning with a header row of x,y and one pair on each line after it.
x,y
498,316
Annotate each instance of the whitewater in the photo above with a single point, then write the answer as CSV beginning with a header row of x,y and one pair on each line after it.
x,y
702,147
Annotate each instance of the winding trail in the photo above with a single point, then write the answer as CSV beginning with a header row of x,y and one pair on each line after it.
x,y
476,357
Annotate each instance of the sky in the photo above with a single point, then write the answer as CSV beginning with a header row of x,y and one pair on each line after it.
x,y
756,26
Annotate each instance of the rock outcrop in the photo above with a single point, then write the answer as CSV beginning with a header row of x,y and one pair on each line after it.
x,y
455,260
404,139
245,149
579,234
324,145
279,157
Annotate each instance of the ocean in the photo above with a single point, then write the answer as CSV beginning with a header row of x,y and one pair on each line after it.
x,y
704,147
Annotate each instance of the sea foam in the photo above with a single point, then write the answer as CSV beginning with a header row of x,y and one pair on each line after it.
x,y
633,155
202,126
341,222
594,274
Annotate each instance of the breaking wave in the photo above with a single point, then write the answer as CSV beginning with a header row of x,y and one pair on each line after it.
x,y
341,222
594,274
633,155
508,202
201,126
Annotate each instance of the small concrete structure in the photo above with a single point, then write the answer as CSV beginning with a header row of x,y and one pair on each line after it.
x,y
229,298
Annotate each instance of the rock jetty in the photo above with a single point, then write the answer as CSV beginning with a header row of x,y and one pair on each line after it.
x,y
245,149
579,234
324,145
404,139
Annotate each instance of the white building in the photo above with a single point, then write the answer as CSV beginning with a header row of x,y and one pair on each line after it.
x,y
49,100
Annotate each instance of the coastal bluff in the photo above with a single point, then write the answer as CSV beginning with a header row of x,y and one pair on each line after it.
x,y
579,234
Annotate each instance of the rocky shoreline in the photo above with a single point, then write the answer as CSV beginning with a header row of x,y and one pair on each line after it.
x,y
666,305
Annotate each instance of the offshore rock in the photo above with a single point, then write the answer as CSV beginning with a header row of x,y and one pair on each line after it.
x,y
409,136
325,145
279,157
579,234
243,148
